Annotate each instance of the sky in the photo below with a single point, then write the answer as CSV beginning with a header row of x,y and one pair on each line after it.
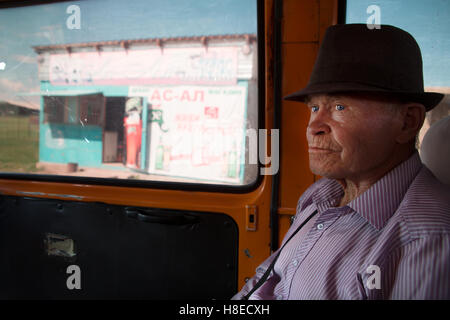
x,y
24,27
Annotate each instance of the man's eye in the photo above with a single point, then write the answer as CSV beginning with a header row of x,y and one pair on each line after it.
x,y
340,107
314,108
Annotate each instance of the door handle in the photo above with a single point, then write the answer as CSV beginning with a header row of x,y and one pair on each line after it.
x,y
154,216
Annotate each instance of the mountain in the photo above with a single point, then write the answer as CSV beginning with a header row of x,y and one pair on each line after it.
x,y
9,109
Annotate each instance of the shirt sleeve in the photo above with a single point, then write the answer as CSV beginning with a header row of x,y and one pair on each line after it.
x,y
260,270
422,270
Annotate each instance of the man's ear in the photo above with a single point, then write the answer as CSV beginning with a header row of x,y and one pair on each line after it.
x,y
413,115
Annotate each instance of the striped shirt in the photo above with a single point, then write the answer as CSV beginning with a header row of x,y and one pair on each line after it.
x,y
391,242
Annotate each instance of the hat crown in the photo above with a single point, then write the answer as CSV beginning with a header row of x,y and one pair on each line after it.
x,y
387,58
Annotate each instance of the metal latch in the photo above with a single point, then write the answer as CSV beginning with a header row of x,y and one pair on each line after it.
x,y
251,217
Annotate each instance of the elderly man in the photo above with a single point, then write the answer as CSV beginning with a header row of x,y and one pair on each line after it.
x,y
377,226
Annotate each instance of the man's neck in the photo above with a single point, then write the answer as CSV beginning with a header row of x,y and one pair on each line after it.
x,y
353,190
353,187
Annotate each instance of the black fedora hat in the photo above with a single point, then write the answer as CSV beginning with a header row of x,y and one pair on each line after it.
x,y
354,58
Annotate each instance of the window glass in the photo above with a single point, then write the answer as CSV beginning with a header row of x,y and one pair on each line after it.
x,y
429,23
146,89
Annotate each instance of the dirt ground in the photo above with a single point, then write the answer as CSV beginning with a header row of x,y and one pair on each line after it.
x,y
113,170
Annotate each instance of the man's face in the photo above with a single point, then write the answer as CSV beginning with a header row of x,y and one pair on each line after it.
x,y
350,136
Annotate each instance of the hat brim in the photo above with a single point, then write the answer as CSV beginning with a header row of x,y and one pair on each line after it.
x,y
428,99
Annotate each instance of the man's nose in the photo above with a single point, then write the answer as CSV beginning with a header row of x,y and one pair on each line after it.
x,y
318,124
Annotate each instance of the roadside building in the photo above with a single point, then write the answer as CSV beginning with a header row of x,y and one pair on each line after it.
x,y
169,106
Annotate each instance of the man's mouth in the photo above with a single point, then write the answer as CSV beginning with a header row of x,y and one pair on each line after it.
x,y
313,149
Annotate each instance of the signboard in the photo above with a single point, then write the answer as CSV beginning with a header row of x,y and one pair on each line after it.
x,y
152,66
196,131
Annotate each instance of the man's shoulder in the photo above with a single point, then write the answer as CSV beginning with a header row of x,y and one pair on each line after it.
x,y
425,208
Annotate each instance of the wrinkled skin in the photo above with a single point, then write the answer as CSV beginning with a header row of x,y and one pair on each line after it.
x,y
356,139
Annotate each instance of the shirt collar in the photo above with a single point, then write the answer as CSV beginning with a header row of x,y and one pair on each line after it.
x,y
328,195
381,200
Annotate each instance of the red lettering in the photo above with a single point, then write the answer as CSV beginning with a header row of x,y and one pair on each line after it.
x,y
155,95
167,95
185,127
201,94
185,95
180,157
187,117
211,112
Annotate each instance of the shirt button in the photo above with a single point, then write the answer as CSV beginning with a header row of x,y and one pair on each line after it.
x,y
279,297
295,262
320,226
260,270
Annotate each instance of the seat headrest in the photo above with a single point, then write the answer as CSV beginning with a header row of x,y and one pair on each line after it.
x,y
435,149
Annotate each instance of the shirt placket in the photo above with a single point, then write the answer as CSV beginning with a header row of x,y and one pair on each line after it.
x,y
323,222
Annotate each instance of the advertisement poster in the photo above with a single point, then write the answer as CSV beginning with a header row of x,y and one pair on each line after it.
x,y
196,131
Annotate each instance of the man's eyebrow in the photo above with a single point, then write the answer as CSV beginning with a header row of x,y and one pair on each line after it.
x,y
328,98
335,97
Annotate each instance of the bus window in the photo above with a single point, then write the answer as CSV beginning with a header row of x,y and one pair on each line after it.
x,y
428,22
144,90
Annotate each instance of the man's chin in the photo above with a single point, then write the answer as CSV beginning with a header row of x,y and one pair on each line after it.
x,y
326,173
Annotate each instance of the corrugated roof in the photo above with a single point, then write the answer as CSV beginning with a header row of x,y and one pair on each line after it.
x,y
157,41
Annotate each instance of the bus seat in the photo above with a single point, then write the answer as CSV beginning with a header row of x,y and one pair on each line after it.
x,y
435,149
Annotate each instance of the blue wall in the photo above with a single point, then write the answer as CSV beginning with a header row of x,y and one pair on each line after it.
x,y
428,22
64,143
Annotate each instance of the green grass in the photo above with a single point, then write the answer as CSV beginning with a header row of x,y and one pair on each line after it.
x,y
19,144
